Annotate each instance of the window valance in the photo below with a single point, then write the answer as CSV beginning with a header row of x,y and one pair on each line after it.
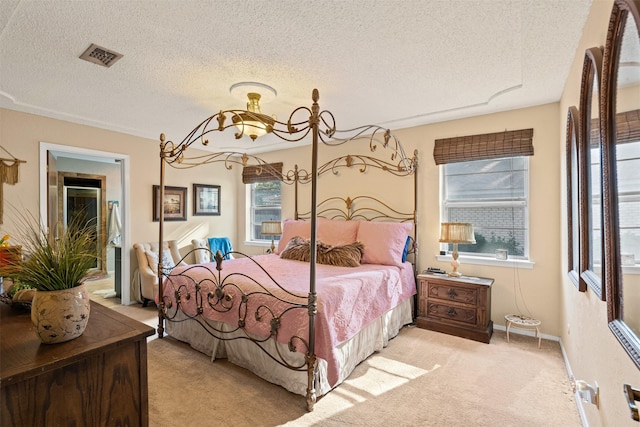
x,y
486,146
262,173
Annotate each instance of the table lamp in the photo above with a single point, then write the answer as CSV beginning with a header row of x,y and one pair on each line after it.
x,y
456,232
271,228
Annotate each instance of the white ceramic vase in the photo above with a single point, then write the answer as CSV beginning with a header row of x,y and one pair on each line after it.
x,y
60,316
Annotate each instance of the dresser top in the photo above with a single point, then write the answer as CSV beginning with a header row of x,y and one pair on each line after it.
x,y
462,279
23,355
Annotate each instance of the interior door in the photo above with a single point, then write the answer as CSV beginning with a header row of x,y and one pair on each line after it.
x,y
84,194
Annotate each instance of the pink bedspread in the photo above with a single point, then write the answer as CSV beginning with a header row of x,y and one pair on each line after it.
x,y
348,298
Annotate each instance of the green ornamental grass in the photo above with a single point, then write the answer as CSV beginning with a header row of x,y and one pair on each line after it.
x,y
52,264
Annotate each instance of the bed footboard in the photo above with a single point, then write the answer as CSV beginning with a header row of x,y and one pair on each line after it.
x,y
245,302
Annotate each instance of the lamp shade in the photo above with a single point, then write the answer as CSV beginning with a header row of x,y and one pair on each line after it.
x,y
271,228
456,232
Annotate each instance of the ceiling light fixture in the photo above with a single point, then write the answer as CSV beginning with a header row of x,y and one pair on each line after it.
x,y
252,122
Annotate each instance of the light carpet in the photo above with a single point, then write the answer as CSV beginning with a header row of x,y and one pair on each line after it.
x,y
423,378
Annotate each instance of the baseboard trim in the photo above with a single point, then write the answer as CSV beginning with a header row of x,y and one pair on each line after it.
x,y
527,332
576,396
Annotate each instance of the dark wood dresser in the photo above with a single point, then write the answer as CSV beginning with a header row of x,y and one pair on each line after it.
x,y
97,379
457,306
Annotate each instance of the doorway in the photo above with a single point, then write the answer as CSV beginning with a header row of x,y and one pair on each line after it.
x,y
81,197
55,158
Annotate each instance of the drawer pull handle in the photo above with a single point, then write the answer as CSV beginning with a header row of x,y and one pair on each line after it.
x,y
451,311
452,293
632,395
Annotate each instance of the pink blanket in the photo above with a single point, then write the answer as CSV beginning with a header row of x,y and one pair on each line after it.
x,y
348,298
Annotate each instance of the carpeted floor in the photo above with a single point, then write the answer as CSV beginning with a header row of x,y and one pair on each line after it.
x,y
422,378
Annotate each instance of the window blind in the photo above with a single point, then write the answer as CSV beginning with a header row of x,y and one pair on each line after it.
x,y
627,128
486,146
262,173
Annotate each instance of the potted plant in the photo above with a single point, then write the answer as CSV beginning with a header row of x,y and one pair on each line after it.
x,y
56,268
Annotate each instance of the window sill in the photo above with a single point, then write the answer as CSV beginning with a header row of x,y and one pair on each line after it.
x,y
631,269
507,263
260,243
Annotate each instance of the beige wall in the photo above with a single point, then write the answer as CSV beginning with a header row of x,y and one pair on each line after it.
x,y
593,351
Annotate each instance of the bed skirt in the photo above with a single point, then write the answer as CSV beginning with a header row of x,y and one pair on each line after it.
x,y
246,354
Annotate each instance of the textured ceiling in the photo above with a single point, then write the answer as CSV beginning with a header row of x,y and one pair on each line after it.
x,y
391,63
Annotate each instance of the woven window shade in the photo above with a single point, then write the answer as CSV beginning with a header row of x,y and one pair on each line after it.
x,y
262,173
627,128
594,131
486,146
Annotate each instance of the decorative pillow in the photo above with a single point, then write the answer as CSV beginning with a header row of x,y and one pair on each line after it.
x,y
330,231
337,232
290,229
384,242
167,260
348,255
299,249
405,252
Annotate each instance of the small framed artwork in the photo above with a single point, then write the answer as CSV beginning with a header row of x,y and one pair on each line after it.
x,y
206,199
174,204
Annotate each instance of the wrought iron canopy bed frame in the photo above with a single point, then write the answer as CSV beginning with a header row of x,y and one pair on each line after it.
x,y
302,122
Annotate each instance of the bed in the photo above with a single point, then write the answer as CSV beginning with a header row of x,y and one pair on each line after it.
x,y
340,285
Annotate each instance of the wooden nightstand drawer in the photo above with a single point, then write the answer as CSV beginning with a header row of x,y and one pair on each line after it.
x,y
453,293
452,313
455,305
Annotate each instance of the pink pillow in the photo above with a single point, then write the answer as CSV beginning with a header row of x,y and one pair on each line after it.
x,y
336,232
383,242
292,228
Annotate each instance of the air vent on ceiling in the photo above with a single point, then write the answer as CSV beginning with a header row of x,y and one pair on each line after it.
x,y
101,56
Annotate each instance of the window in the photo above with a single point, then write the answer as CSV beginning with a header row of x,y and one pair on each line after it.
x,y
265,206
264,203
628,164
493,196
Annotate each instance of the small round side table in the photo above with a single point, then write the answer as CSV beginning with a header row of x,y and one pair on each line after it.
x,y
520,321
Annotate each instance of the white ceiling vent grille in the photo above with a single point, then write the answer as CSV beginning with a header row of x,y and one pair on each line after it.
x,y
101,56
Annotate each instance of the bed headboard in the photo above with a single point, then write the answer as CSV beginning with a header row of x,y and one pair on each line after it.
x,y
362,207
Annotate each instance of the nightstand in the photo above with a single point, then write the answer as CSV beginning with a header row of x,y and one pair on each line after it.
x,y
458,306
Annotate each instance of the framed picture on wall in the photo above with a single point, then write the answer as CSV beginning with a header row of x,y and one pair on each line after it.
x,y
206,199
174,203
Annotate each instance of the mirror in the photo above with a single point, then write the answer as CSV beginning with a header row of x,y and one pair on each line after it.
x,y
573,199
621,161
590,148
627,165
